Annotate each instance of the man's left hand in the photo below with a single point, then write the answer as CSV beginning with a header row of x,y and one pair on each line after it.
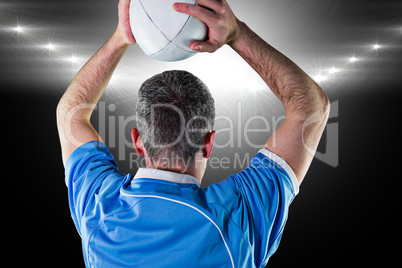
x,y
223,26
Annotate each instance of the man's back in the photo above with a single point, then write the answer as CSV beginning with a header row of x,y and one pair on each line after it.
x,y
163,219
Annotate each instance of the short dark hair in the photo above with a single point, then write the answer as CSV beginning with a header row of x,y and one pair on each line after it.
x,y
175,110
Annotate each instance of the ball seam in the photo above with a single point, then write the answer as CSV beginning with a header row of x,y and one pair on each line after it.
x,y
169,41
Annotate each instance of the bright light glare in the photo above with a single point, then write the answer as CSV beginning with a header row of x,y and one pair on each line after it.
x,y
333,70
73,59
319,78
50,46
376,46
19,29
353,59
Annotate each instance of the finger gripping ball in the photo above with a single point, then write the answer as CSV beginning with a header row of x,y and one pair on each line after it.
x,y
163,33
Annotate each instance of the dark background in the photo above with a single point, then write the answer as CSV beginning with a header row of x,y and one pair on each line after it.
x,y
344,215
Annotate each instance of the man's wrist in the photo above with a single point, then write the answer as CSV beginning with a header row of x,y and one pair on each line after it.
x,y
121,40
239,36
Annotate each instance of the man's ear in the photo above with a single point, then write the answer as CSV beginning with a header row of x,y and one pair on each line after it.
x,y
208,144
135,136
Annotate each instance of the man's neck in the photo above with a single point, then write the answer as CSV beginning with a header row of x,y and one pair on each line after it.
x,y
190,168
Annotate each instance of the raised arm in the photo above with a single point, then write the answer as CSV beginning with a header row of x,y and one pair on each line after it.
x,y
306,104
76,106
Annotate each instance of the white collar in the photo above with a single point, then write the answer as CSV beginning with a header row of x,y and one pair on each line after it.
x,y
150,173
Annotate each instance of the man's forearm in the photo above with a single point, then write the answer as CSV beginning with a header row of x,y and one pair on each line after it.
x,y
300,95
76,106
90,82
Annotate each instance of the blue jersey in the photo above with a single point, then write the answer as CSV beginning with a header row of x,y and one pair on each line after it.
x,y
164,219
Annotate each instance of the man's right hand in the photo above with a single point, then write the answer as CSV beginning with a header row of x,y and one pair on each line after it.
x,y
223,26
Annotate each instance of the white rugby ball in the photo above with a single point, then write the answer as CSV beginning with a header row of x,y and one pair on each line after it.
x,y
162,32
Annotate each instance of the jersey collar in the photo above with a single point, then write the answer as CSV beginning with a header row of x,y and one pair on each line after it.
x,y
150,173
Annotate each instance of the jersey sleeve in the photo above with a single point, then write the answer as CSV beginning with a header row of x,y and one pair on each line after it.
x,y
257,200
88,168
